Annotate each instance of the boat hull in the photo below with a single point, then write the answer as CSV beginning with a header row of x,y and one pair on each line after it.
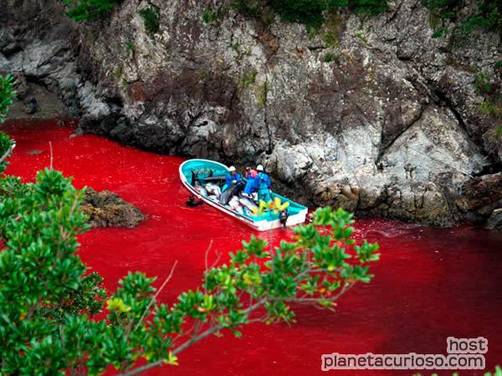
x,y
259,223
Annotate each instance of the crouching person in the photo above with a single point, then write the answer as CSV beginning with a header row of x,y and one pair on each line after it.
x,y
232,178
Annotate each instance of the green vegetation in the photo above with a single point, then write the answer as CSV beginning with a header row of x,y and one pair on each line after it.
x,y
488,88
248,78
329,57
248,8
312,13
483,84
130,46
5,149
360,35
7,95
262,94
440,32
497,372
210,16
485,14
491,107
368,7
151,19
89,10
333,26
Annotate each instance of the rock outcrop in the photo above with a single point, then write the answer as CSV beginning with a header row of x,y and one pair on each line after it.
x,y
107,209
375,115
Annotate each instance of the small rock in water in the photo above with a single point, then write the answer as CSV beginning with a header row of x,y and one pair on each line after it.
x,y
107,209
495,220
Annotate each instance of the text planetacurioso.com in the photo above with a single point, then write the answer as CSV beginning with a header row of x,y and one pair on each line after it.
x,y
402,361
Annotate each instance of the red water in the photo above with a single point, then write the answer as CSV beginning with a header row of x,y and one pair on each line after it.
x,y
429,284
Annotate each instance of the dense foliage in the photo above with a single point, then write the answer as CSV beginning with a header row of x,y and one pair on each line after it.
x,y
89,10
309,12
484,14
7,94
151,19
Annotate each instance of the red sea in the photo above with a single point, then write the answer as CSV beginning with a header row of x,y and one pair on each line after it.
x,y
430,283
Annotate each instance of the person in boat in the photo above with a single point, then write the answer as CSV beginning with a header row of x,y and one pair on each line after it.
x,y
252,183
248,171
232,178
264,184
283,217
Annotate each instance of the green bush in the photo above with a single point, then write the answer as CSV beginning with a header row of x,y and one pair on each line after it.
x,y
89,10
368,7
7,95
329,57
209,16
309,12
6,146
151,19
248,8
485,14
483,84
248,78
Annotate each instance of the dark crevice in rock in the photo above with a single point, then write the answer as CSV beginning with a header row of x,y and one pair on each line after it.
x,y
445,100
387,145
394,14
441,98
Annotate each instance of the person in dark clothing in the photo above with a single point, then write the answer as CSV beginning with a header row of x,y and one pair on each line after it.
x,y
232,178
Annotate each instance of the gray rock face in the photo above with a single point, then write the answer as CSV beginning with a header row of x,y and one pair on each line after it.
x,y
494,222
373,115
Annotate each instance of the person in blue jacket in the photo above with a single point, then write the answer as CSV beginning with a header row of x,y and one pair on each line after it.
x,y
232,178
251,183
264,185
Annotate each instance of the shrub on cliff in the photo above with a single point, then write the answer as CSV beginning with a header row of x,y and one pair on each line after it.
x,y
151,19
89,10
483,14
308,12
7,95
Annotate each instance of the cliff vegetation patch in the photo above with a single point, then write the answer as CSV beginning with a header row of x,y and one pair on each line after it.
x,y
89,10
483,14
151,19
312,13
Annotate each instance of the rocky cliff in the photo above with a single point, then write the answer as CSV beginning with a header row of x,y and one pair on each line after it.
x,y
373,114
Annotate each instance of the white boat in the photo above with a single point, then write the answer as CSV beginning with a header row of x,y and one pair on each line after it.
x,y
195,174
